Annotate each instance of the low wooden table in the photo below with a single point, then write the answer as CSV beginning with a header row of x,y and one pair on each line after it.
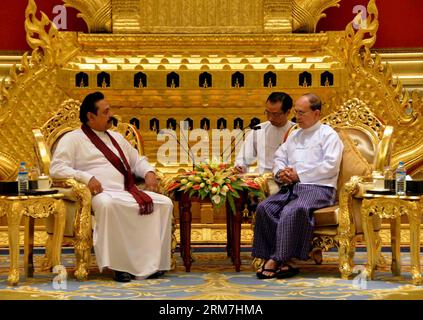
x,y
393,207
233,221
32,207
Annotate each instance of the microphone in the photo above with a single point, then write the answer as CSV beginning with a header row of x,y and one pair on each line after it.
x,y
236,138
189,151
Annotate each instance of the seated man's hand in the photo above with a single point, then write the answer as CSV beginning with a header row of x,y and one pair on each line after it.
x,y
151,183
240,169
288,176
283,176
292,175
95,186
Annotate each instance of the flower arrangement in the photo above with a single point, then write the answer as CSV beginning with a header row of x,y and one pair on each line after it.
x,y
218,181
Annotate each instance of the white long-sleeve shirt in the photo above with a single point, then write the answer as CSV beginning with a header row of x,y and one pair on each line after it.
x,y
260,146
77,157
315,153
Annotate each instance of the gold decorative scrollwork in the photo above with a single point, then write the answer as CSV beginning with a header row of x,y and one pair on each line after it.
x,y
372,82
48,42
389,209
354,113
325,242
97,14
307,13
65,119
33,93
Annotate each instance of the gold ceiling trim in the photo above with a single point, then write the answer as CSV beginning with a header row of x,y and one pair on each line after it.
x,y
204,42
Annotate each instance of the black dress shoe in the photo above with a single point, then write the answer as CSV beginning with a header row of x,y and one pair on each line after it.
x,y
121,276
156,275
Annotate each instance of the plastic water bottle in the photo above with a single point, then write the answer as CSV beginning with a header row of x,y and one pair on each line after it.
x,y
400,177
23,184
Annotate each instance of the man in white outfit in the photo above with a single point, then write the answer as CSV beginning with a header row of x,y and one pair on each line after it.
x,y
132,232
262,142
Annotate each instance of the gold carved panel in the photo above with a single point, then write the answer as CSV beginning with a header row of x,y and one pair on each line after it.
x,y
197,16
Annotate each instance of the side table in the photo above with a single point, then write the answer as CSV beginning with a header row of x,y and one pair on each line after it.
x,y
393,207
31,207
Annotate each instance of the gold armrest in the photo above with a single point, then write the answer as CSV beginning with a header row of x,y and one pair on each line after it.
x,y
346,228
72,190
363,185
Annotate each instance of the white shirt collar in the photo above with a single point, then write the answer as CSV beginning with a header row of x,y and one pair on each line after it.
x,y
287,125
314,127
99,133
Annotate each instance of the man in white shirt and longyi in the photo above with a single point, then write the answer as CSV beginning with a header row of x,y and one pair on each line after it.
x,y
307,164
260,144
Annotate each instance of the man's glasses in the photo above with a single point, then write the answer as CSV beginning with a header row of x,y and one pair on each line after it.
x,y
301,113
273,114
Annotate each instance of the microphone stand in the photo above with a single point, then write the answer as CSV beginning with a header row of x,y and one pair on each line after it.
x,y
189,151
243,136
179,143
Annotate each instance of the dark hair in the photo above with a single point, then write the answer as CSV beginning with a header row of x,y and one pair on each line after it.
x,y
315,101
283,98
89,105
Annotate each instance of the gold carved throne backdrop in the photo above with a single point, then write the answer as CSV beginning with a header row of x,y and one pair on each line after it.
x,y
212,63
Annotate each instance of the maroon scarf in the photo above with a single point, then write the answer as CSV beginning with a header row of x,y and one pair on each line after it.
x,y
144,200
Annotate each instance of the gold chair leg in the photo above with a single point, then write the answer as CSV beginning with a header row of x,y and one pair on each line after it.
x,y
414,219
346,254
369,236
396,246
83,257
47,263
59,230
13,221
380,259
29,247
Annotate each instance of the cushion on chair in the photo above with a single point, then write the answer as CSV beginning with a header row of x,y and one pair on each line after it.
x,y
353,163
326,217
325,231
362,142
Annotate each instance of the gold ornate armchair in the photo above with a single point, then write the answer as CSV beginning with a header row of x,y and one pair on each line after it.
x,y
367,147
77,195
